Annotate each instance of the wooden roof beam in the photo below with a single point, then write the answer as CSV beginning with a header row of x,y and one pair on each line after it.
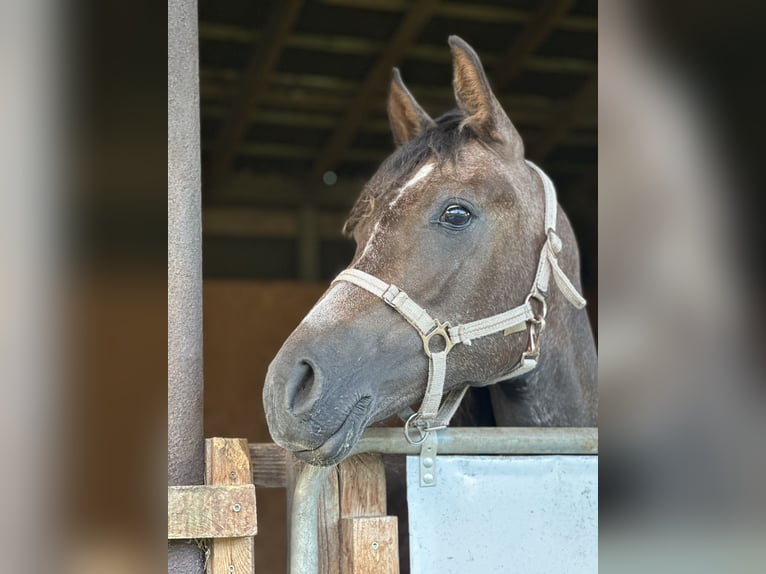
x,y
354,45
469,11
564,119
359,108
254,82
535,33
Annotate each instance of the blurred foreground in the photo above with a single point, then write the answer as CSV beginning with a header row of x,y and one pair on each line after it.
x,y
683,395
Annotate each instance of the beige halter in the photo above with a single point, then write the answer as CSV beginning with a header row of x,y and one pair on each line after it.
x,y
530,315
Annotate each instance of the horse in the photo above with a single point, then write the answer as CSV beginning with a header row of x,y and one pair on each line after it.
x,y
454,225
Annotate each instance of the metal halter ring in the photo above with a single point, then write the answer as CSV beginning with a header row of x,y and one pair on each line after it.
x,y
439,330
422,428
537,296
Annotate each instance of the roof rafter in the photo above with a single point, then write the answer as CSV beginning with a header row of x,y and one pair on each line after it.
x,y
469,11
401,42
254,81
529,41
355,45
564,119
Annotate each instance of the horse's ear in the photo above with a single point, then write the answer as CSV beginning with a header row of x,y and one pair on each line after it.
x,y
406,116
483,113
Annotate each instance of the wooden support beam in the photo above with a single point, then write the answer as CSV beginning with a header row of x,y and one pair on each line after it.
x,y
267,223
469,11
373,125
275,191
299,152
268,461
564,119
328,94
369,538
227,462
254,82
355,45
537,30
401,42
362,486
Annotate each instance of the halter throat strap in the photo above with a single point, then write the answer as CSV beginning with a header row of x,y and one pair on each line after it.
x,y
440,337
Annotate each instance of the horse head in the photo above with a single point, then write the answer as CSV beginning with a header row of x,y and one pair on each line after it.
x,y
455,218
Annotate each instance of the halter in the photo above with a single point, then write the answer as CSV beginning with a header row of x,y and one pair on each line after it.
x,y
529,316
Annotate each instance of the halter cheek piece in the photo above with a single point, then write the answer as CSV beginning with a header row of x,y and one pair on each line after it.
x,y
435,414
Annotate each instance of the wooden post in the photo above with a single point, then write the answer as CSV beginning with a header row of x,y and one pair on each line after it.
x,y
354,534
370,545
228,463
369,538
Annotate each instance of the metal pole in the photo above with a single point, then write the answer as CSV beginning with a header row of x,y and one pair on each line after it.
x,y
304,549
185,434
520,440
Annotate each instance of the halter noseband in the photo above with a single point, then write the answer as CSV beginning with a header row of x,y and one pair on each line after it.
x,y
529,316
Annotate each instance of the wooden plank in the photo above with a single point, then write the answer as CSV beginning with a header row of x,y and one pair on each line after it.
x,y
300,152
227,461
254,83
263,222
282,191
362,486
211,511
268,460
529,41
370,545
401,42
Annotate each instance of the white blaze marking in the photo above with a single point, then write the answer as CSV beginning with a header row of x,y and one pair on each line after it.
x,y
420,175
369,241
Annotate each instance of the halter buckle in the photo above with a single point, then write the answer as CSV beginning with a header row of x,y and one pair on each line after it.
x,y
533,346
441,330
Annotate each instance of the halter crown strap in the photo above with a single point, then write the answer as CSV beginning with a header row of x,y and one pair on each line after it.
x,y
431,416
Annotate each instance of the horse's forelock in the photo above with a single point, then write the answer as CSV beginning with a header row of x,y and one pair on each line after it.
x,y
440,143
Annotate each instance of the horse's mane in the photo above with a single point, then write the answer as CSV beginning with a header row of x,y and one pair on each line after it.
x,y
441,142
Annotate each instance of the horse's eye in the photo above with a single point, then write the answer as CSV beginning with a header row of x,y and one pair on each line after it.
x,y
456,216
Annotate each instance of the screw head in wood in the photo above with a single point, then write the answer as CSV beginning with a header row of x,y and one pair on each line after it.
x,y
231,567
374,545
236,507
233,474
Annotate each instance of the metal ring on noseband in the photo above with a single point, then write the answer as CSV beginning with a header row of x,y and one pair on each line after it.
x,y
439,330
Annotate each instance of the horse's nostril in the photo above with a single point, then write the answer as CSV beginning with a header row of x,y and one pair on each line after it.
x,y
304,387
